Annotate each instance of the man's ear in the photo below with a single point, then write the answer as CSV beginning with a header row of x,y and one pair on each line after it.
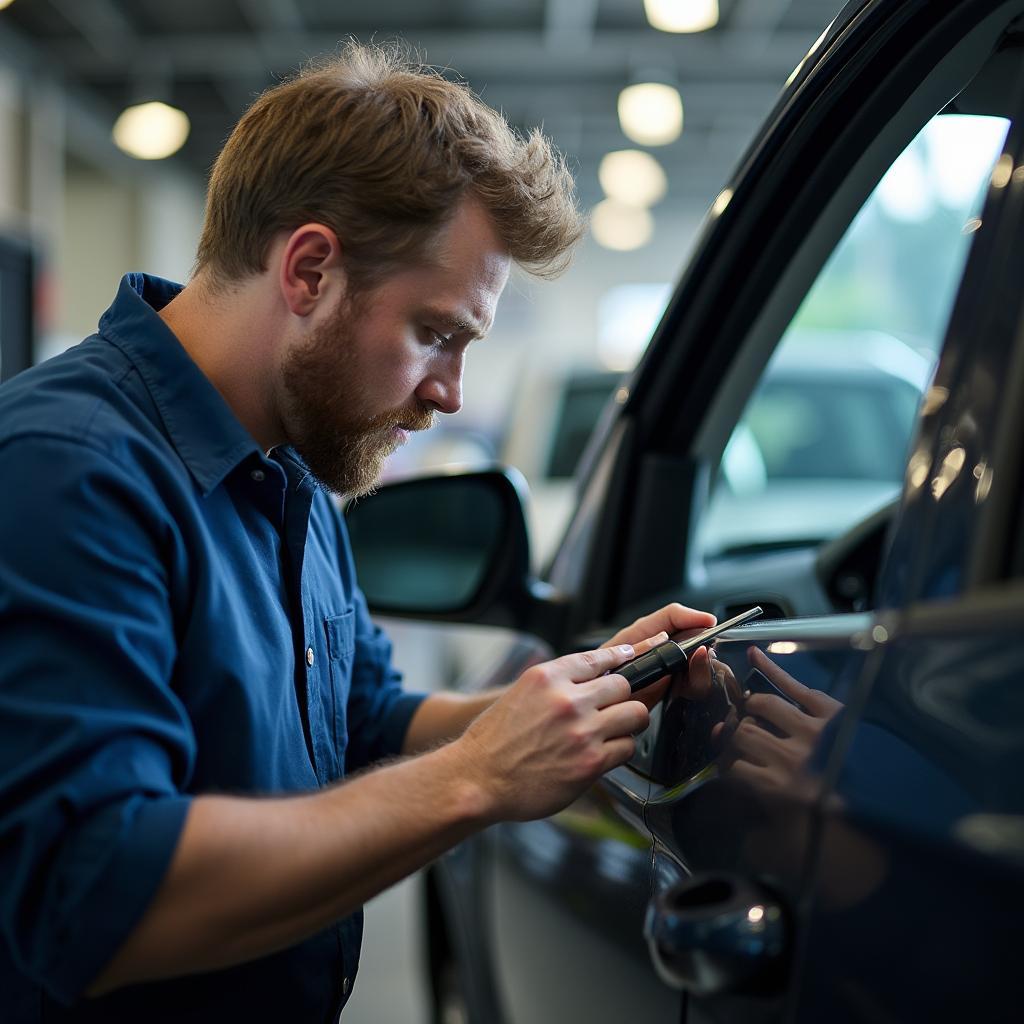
x,y
311,271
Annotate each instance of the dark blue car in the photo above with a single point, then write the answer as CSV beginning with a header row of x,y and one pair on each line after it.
x,y
826,822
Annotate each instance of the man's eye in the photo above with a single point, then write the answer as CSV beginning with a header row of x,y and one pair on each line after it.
x,y
436,337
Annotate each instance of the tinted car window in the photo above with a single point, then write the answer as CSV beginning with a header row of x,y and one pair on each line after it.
x,y
823,440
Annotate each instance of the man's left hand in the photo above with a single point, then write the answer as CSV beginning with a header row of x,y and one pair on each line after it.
x,y
675,621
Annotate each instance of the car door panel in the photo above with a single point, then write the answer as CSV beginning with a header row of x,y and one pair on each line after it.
x,y
708,819
559,902
706,816
921,865
566,900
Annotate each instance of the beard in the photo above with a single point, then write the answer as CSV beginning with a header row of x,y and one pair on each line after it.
x,y
329,424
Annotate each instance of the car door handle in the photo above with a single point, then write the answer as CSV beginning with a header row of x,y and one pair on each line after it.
x,y
718,933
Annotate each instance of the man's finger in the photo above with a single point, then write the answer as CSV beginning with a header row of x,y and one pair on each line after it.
x,y
643,646
623,719
579,668
672,619
618,751
603,692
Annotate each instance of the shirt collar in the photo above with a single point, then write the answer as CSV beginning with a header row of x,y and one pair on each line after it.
x,y
204,431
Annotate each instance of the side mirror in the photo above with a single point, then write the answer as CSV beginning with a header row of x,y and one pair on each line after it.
x,y
451,548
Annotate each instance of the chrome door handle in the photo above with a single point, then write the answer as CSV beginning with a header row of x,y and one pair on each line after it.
x,y
718,933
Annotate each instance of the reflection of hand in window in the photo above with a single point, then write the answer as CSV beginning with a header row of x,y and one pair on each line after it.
x,y
768,739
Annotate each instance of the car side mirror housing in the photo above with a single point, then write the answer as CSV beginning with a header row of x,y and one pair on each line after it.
x,y
451,548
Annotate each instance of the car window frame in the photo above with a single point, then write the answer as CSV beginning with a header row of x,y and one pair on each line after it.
x,y
614,584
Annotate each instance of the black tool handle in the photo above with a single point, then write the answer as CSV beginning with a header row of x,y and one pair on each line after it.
x,y
650,667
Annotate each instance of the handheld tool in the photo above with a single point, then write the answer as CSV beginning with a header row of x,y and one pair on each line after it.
x,y
671,655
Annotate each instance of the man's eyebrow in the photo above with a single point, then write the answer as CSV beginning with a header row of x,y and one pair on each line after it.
x,y
455,323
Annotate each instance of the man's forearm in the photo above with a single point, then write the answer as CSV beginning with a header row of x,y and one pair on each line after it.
x,y
252,876
444,716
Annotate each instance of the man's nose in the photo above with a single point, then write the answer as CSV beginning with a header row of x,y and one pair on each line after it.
x,y
443,387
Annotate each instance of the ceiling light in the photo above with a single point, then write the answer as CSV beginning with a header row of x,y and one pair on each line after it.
x,y
651,113
151,131
621,226
682,15
632,177
5,3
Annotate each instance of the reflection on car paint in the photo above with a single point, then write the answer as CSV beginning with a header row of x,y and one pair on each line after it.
x,y
699,734
935,760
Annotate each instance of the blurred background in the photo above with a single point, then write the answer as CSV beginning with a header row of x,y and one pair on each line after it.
x,y
112,111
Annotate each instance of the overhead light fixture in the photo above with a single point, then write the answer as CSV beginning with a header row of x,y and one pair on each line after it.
x,y
633,177
620,226
151,131
5,3
682,15
651,113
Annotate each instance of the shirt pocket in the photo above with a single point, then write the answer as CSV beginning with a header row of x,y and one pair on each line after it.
x,y
340,630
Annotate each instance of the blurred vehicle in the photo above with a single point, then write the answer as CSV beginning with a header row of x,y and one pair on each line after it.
x,y
826,823
551,424
813,451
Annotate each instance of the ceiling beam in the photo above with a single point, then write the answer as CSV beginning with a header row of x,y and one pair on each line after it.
x,y
762,16
471,53
108,33
569,24
273,15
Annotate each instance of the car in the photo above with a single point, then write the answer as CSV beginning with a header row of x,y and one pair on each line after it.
x,y
792,473
826,821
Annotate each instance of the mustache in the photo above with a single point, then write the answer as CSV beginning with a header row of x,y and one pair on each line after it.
x,y
418,418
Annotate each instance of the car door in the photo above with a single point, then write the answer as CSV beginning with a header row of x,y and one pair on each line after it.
x,y
732,817
564,900
919,871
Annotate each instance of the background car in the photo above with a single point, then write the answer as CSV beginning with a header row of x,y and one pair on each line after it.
x,y
848,845
813,452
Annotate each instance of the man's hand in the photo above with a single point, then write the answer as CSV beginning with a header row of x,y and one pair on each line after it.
x,y
674,621
250,876
567,721
556,729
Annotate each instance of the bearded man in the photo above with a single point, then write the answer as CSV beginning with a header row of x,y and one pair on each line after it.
x,y
189,677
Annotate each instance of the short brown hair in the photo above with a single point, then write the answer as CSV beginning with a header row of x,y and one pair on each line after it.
x,y
381,149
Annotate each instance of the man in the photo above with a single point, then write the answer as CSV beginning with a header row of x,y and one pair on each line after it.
x,y
188,669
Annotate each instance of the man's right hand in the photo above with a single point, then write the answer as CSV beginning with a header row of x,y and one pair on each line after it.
x,y
552,733
250,876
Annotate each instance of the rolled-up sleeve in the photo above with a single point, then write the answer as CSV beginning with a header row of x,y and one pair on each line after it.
x,y
95,748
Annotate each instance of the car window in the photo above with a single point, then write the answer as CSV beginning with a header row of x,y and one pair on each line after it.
x,y
823,440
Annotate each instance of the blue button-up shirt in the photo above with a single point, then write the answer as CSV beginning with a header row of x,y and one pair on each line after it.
x,y
178,615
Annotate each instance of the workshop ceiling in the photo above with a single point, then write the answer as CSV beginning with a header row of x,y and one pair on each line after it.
x,y
556,63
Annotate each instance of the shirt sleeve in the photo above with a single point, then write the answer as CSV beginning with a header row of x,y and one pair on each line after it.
x,y
379,711
95,748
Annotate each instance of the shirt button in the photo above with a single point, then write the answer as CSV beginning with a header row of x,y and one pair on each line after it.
x,y
258,475
309,656
346,984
